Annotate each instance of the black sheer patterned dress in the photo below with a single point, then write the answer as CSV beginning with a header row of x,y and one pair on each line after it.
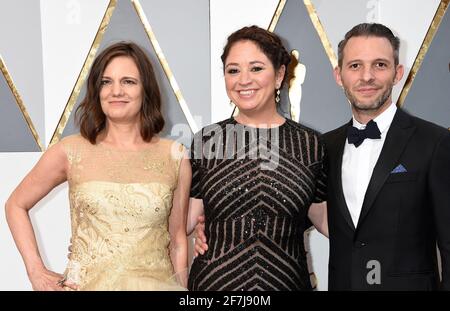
x,y
256,185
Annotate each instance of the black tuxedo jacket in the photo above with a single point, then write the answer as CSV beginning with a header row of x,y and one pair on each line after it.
x,y
404,215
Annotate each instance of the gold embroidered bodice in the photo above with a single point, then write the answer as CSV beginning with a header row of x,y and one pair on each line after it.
x,y
120,202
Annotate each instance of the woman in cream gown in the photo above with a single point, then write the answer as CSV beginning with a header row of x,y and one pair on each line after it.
x,y
120,205
128,188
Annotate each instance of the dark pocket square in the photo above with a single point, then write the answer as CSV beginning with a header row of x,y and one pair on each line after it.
x,y
399,169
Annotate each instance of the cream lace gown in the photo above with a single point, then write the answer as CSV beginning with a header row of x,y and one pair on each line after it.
x,y
120,202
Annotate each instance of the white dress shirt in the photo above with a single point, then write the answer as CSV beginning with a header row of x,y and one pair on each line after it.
x,y
358,163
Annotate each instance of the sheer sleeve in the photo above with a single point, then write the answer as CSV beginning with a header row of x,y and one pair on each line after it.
x,y
178,152
321,175
196,156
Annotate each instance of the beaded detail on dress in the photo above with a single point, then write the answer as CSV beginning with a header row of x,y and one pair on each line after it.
x,y
256,186
120,202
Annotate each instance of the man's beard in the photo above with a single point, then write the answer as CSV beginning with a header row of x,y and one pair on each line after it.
x,y
379,102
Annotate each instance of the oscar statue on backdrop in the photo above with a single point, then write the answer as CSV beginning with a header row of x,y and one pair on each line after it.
x,y
297,72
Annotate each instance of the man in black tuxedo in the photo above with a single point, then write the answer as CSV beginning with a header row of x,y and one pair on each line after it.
x,y
388,178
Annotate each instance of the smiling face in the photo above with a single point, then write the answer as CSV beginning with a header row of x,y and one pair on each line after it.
x,y
250,78
368,73
121,90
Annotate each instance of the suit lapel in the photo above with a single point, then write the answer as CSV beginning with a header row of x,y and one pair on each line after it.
x,y
397,137
337,146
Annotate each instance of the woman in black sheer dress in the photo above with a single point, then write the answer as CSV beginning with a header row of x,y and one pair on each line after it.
x,y
258,178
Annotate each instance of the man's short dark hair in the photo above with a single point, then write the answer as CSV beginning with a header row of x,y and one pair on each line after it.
x,y
370,30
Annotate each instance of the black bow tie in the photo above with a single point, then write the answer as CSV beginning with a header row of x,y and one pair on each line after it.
x,y
357,137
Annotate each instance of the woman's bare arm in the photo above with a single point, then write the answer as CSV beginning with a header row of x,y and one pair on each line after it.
x,y
50,171
318,215
177,223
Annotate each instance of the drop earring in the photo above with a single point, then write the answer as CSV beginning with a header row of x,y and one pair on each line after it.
x,y
277,98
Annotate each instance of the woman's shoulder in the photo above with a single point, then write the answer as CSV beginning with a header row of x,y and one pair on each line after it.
x,y
220,124
169,143
74,143
75,139
170,147
301,129
216,128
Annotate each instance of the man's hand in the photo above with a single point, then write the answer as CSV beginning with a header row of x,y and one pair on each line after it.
x,y
200,246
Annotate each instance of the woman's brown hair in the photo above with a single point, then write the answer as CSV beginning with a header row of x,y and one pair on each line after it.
x,y
89,114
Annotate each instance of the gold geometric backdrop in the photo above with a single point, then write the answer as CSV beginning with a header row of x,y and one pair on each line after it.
x,y
296,21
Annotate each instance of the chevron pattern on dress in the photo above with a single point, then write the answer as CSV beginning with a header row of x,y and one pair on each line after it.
x,y
256,215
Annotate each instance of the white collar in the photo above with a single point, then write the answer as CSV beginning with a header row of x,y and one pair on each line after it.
x,y
383,120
